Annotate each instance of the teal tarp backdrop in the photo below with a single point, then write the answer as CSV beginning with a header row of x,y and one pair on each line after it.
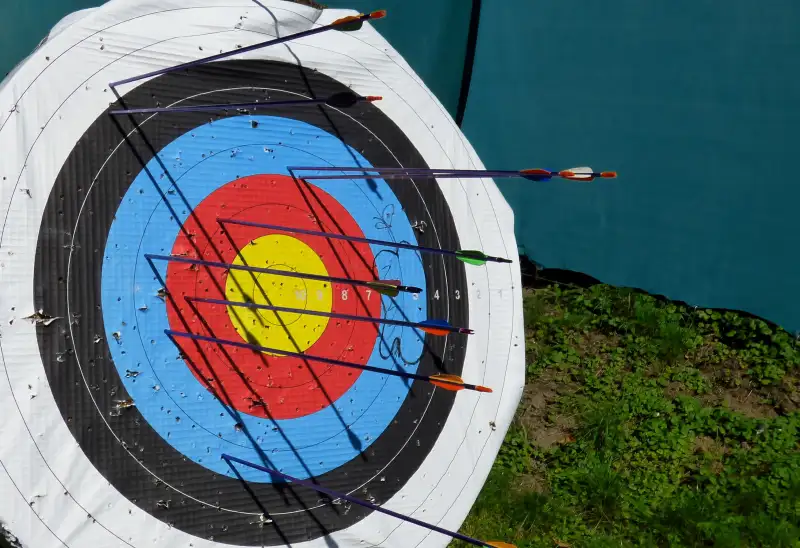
x,y
694,102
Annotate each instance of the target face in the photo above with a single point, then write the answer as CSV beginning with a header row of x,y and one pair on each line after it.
x,y
152,416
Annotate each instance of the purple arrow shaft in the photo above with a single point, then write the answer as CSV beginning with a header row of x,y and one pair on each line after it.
x,y
339,236
203,108
227,54
336,495
432,174
309,357
287,273
369,319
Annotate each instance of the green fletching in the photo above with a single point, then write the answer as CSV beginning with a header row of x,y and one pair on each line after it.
x,y
471,256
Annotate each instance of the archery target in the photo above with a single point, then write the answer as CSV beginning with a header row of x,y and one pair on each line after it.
x,y
118,432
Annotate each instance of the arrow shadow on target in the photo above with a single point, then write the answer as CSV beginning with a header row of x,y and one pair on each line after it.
x,y
355,442
186,325
373,186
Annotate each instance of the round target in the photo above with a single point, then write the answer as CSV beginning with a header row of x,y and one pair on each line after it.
x,y
151,225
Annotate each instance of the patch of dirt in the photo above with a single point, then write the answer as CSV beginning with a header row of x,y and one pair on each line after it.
x,y
540,414
596,344
534,482
741,401
740,393
675,389
713,451
709,446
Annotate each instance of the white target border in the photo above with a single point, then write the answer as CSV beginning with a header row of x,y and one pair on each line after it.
x,y
47,105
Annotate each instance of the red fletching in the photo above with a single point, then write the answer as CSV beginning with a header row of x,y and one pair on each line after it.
x,y
609,175
542,172
377,14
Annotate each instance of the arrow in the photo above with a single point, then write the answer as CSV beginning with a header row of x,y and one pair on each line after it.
x,y
344,99
466,255
578,173
346,24
334,495
390,288
585,174
453,383
433,327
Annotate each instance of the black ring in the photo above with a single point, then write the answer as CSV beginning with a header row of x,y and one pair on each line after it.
x,y
126,466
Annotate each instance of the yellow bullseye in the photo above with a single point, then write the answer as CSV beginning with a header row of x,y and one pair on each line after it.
x,y
280,330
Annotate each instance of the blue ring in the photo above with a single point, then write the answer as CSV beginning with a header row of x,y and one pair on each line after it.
x,y
166,392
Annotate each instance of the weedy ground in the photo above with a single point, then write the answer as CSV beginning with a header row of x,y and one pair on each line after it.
x,y
647,423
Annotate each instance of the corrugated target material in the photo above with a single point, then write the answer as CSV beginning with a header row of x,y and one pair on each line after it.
x,y
111,434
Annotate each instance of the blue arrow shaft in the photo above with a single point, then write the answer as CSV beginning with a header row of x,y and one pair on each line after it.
x,y
369,319
227,54
336,495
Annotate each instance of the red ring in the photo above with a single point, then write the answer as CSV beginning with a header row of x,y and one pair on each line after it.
x,y
278,387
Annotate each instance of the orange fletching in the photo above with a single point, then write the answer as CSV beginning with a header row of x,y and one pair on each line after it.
x,y
454,383
498,544
484,389
435,331
348,19
377,14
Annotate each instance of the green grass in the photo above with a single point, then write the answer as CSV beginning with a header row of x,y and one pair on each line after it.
x,y
647,423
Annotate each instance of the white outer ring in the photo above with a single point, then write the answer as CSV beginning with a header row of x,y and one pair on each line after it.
x,y
45,459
